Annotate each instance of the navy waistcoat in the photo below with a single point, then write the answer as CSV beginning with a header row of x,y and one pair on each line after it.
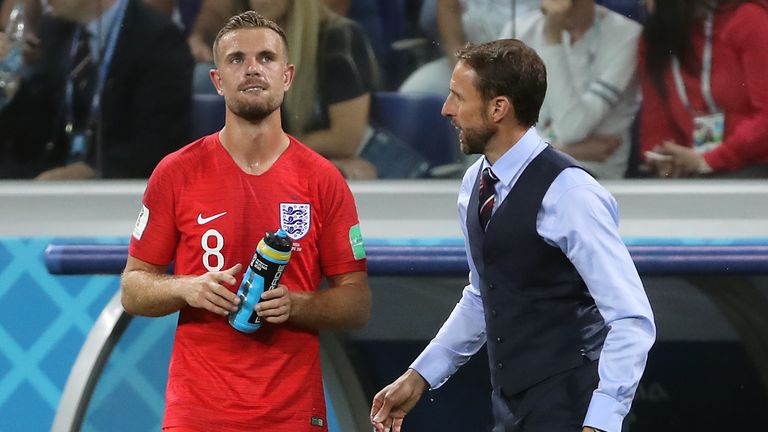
x,y
540,319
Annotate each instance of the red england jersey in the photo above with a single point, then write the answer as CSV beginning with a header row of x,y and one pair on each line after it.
x,y
201,211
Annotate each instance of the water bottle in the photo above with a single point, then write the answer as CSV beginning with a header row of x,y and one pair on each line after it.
x,y
10,65
263,274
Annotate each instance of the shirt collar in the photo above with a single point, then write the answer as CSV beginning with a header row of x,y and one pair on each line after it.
x,y
101,27
511,163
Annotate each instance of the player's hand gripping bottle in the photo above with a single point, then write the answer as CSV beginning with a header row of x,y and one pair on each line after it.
x,y
268,264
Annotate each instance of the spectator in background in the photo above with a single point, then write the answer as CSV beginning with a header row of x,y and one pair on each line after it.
x,y
459,22
108,94
591,57
705,88
328,105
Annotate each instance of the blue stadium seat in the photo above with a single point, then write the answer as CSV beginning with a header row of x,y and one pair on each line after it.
x,y
415,118
398,43
208,113
633,9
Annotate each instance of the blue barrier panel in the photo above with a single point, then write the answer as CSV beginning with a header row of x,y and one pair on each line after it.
x,y
736,363
450,260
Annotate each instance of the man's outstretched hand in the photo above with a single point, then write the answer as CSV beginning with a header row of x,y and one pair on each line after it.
x,y
394,401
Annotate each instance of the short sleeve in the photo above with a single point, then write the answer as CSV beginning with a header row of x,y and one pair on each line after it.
x,y
155,235
341,243
347,64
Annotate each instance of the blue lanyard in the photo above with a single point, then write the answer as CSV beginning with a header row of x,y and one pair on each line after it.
x,y
706,71
106,60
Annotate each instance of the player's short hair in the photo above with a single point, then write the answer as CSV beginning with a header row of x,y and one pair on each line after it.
x,y
247,20
510,68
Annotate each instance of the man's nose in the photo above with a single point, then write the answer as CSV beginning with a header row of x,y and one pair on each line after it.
x,y
253,67
446,110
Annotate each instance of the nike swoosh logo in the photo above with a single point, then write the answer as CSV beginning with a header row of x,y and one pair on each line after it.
x,y
204,220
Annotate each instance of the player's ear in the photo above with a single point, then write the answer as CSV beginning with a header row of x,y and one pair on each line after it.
x,y
288,74
216,80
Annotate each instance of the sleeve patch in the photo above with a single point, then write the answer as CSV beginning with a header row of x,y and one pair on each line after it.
x,y
356,242
141,222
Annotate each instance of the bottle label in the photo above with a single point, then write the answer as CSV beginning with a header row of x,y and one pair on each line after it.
x,y
271,273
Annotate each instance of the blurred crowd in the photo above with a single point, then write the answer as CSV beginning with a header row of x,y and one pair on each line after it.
x,y
659,89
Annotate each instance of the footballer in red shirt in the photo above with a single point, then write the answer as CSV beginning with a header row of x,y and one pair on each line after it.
x,y
205,209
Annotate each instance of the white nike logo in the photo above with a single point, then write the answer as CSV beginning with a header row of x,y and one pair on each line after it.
x,y
202,221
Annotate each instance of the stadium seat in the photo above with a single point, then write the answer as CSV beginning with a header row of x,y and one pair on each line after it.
x,y
400,46
208,112
415,119
633,9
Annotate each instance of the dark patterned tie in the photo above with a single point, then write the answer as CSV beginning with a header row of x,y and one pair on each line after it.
x,y
487,196
83,76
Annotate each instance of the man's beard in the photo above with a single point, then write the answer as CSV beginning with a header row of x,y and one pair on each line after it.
x,y
255,112
476,139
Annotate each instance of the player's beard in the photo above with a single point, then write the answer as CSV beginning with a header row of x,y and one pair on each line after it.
x,y
255,111
474,140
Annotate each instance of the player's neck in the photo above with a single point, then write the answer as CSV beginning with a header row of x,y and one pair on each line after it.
x,y
254,147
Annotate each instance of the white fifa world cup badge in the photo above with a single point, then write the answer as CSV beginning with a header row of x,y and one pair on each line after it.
x,y
141,222
294,219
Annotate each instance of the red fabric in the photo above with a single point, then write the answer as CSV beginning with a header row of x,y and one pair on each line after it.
x,y
739,87
220,379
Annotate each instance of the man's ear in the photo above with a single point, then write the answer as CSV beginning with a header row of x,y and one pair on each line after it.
x,y
216,80
499,108
290,71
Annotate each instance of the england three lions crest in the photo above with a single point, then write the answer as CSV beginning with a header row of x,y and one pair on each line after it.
x,y
294,219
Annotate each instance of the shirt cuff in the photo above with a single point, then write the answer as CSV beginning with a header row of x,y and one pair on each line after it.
x,y
605,413
434,365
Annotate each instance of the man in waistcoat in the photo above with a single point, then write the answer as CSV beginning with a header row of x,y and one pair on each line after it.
x,y
552,288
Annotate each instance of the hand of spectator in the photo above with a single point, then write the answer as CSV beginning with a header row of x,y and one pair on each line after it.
x,y
686,162
275,305
356,169
208,292
201,51
73,171
595,148
555,15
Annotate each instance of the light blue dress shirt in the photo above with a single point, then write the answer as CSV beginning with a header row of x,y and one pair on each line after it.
x,y
581,218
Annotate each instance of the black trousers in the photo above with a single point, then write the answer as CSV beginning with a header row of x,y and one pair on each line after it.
x,y
557,404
